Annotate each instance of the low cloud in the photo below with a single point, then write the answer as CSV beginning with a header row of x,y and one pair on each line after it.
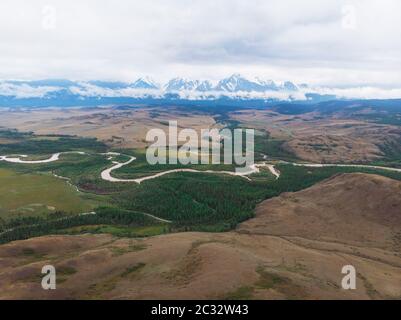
x,y
21,91
359,93
87,90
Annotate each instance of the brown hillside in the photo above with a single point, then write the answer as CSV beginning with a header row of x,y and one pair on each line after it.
x,y
294,249
350,208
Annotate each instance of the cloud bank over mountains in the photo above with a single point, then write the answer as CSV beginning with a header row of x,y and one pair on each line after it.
x,y
234,87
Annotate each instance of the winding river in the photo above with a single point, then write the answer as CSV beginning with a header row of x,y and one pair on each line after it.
x,y
53,158
107,173
321,165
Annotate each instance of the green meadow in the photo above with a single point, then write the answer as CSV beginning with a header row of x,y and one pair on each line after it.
x,y
39,194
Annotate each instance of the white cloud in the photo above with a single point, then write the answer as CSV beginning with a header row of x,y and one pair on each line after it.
x,y
25,90
360,93
87,90
302,41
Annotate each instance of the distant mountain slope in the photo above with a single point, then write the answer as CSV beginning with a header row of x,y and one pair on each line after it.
x,y
145,83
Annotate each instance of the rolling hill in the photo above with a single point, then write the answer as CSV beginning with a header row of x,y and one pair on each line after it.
x,y
294,248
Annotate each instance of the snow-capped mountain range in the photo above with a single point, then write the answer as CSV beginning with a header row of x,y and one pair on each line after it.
x,y
234,83
234,87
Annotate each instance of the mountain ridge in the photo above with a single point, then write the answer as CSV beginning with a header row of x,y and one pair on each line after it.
x,y
234,88
233,83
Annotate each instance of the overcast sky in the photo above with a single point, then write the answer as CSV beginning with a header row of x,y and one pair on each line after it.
x,y
323,42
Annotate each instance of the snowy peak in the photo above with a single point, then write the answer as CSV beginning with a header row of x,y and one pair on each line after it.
x,y
181,84
145,83
289,86
204,86
237,83
268,85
